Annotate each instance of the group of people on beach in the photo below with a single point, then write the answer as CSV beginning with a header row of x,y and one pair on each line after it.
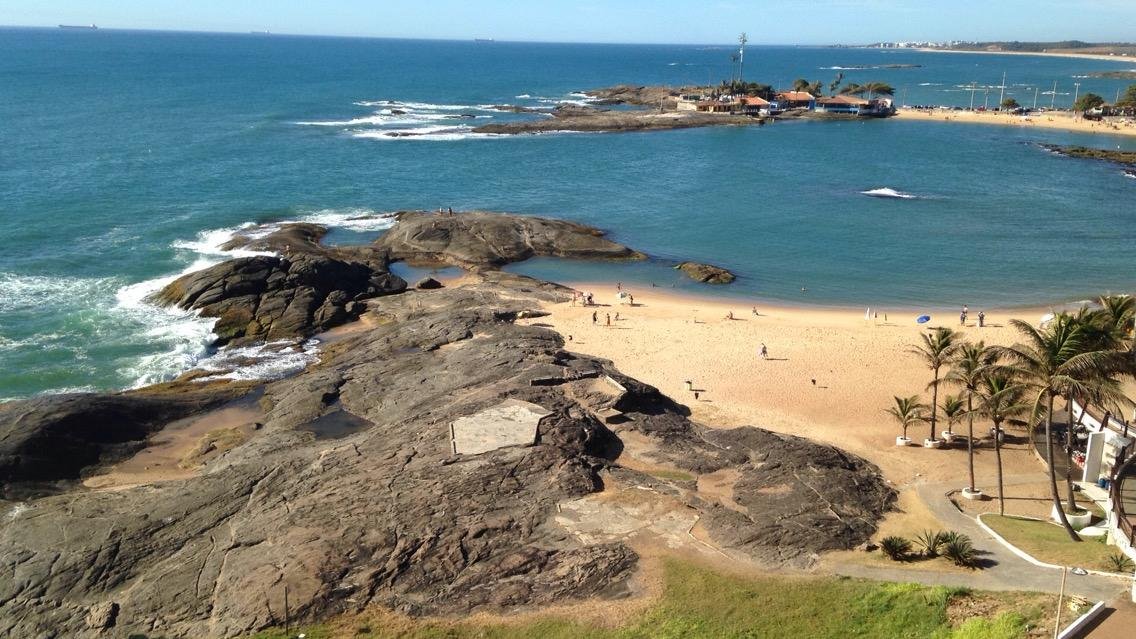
x,y
966,312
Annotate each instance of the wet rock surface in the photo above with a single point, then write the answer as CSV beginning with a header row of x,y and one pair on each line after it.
x,y
475,240
706,273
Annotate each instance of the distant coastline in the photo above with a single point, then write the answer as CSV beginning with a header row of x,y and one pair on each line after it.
x,y
1045,54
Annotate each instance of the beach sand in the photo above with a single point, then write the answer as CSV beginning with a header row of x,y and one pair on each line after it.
x,y
858,365
1043,54
1058,120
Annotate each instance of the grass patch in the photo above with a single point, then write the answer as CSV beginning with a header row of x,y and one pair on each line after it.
x,y
701,602
1050,543
671,475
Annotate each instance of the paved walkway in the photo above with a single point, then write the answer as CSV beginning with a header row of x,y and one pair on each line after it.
x,y
1005,570
1118,623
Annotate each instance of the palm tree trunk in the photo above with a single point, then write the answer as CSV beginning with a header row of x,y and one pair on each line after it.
x,y
998,460
970,436
1053,472
1070,496
934,402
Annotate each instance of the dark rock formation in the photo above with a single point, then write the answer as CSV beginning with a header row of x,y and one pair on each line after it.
x,y
595,120
706,273
271,298
427,284
474,240
1123,158
55,438
383,512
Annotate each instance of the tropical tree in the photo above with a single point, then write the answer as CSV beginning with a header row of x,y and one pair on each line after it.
x,y
1001,399
970,366
852,89
1009,104
908,411
1128,98
879,88
800,84
1088,101
835,82
953,408
1051,363
936,350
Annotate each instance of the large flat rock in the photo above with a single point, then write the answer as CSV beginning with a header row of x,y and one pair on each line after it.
x,y
510,423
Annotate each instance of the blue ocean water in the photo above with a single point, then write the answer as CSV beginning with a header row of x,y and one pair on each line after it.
x,y
128,157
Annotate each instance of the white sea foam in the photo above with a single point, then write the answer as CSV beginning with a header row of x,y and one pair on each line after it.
x,y
889,193
188,336
25,292
523,96
273,360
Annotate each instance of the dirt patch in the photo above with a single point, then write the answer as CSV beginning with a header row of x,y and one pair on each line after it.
x,y
178,450
719,487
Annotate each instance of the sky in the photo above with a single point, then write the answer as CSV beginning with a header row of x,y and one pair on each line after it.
x,y
630,21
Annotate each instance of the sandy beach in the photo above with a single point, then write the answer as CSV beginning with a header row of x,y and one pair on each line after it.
x,y
1063,54
1062,121
858,364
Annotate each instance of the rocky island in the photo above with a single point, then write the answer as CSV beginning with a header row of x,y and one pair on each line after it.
x,y
441,459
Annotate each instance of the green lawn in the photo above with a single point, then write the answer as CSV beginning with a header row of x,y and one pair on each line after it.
x,y
699,602
1050,543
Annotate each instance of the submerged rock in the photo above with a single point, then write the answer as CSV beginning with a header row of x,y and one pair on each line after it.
x,y
706,273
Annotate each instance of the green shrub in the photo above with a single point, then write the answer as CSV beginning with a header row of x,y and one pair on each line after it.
x,y
896,548
1119,562
930,541
960,550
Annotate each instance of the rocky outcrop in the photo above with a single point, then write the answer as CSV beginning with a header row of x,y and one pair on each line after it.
x,y
476,240
1123,158
706,273
428,284
47,441
598,121
350,495
268,297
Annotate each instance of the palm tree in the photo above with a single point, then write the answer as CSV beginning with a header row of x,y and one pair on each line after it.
x,y
1000,399
1052,363
879,88
936,350
970,367
852,89
953,409
800,84
908,411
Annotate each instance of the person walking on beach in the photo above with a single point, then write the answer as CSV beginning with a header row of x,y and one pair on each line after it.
x,y
981,319
608,315
617,316
962,318
764,351
595,318
631,299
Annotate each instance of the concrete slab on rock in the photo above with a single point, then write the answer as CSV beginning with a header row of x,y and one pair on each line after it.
x,y
510,423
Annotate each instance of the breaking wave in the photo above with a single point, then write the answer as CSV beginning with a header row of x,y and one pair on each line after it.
x,y
889,193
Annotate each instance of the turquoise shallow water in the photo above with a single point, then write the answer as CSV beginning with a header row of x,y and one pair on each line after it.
x,y
125,156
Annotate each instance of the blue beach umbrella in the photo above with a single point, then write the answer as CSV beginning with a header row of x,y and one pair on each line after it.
x,y
923,319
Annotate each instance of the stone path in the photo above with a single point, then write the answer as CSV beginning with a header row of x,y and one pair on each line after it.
x,y
1006,572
